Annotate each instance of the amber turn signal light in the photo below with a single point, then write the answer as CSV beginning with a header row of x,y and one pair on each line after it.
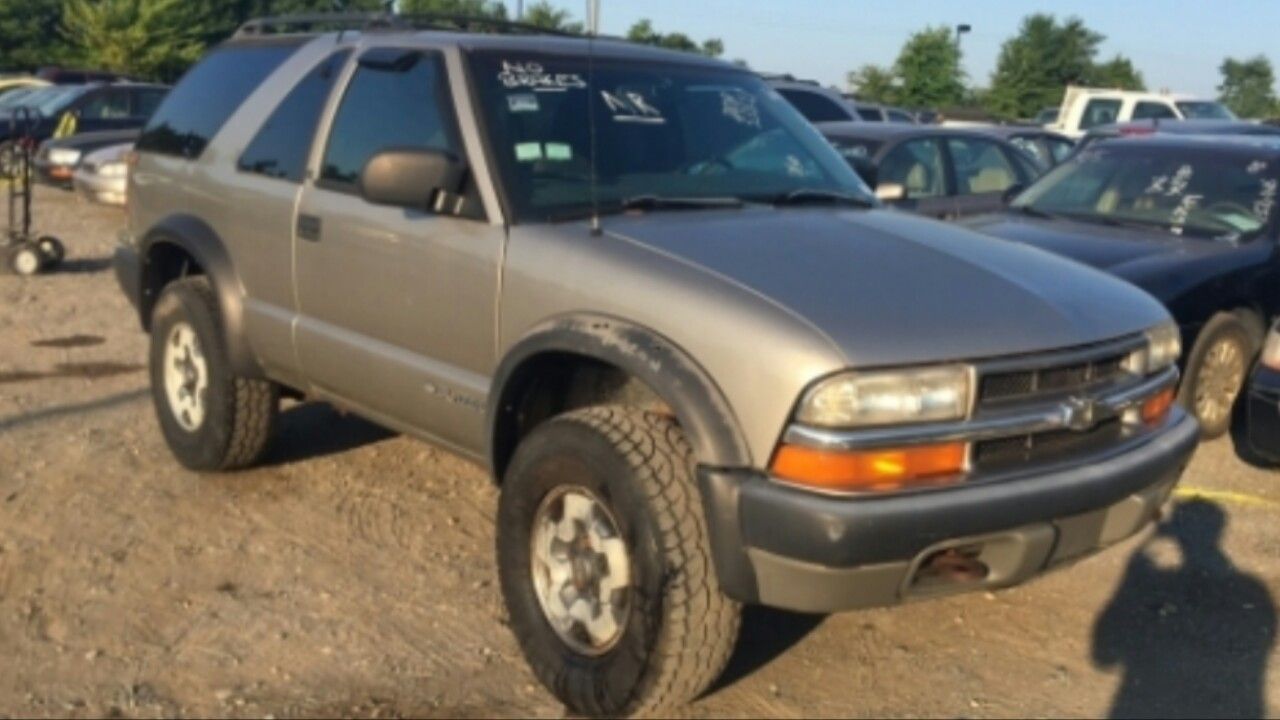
x,y
870,470
1156,408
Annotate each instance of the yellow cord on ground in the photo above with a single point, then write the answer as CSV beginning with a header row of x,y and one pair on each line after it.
x,y
1226,496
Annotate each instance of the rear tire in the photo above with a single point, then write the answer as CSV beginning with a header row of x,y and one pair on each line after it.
x,y
675,628
25,259
52,249
1216,371
212,419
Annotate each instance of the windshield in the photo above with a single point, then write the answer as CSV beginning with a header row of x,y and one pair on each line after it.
x,y
15,97
1196,194
661,130
1204,110
51,100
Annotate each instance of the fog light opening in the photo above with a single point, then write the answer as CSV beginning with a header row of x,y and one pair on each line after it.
x,y
952,566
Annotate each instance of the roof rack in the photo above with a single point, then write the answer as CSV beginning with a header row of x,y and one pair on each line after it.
x,y
309,23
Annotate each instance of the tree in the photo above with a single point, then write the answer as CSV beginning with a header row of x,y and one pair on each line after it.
x,y
928,70
1036,64
873,83
151,38
490,9
29,34
1118,72
1248,87
642,32
542,14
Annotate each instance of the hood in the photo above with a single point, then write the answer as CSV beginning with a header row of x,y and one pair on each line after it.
x,y
888,288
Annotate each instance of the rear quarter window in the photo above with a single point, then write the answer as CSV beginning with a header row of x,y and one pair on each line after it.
x,y
207,95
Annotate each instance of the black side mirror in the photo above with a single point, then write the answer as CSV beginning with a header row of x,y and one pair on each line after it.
x,y
411,177
1012,192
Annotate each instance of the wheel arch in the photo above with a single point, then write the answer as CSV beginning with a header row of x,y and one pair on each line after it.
x,y
672,376
182,245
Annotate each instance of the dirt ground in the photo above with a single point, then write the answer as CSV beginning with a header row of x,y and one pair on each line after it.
x,y
353,573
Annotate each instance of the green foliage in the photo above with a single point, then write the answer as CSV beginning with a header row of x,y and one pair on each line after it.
x,y
1036,64
642,32
1118,72
1248,87
874,83
928,70
542,14
151,38
491,9
29,34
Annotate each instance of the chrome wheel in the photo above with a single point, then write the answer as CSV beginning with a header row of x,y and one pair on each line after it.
x,y
1218,381
186,376
581,570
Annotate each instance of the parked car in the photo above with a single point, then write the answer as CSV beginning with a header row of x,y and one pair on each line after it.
x,y
873,112
69,76
934,170
57,159
116,106
705,366
1084,108
102,176
815,102
1147,128
1263,405
1047,147
1190,219
1046,116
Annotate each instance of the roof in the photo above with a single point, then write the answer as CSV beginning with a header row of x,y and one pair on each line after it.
x,y
1012,131
882,132
1187,127
1266,145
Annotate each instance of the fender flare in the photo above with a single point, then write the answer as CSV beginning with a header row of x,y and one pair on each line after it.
x,y
198,240
699,405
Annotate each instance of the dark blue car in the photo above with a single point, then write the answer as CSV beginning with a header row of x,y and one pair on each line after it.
x,y
1191,220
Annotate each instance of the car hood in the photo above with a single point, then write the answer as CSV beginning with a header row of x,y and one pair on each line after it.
x,y
888,288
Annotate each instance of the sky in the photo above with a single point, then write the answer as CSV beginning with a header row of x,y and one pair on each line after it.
x,y
1176,44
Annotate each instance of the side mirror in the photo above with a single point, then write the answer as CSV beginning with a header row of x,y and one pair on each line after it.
x,y
891,192
411,177
1012,192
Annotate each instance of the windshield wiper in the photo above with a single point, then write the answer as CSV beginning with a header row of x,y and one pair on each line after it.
x,y
661,202
818,196
1036,213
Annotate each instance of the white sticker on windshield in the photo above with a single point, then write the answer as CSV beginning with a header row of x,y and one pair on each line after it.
x,y
626,106
1180,213
739,106
522,102
528,151
533,75
1266,200
559,152
1256,167
1178,184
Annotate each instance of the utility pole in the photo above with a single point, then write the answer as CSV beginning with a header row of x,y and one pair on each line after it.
x,y
593,17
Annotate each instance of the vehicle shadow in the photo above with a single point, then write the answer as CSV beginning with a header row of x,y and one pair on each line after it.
x,y
1193,639
315,429
84,266
766,633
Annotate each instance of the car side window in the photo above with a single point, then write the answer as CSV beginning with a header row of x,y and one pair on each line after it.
x,y
981,166
1153,111
917,166
816,107
1060,149
391,102
1100,112
900,117
280,148
111,104
145,102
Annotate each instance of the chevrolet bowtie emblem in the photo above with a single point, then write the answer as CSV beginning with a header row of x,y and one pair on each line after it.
x,y
1078,413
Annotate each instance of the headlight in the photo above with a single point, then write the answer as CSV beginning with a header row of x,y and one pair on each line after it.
x,y
1271,350
1164,347
894,397
112,170
64,156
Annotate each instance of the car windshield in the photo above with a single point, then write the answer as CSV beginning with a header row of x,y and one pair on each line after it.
x,y
1199,194
660,129
1204,110
54,99
15,97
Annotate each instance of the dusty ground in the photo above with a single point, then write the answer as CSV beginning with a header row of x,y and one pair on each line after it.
x,y
353,575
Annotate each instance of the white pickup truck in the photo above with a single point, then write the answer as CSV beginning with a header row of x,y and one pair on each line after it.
x,y
1083,108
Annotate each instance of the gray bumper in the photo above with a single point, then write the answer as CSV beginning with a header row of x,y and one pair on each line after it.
x,y
792,549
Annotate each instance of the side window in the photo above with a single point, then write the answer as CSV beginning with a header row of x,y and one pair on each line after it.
x,y
195,110
402,103
1031,147
1153,111
110,104
900,117
917,166
981,166
280,148
1100,112
146,101
870,114
1060,149
815,107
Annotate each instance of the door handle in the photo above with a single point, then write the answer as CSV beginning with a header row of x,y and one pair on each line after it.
x,y
309,227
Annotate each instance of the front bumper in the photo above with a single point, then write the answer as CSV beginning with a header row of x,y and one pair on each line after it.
x,y
1263,414
51,174
798,550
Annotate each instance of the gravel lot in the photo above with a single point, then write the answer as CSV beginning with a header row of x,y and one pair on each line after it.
x,y
353,573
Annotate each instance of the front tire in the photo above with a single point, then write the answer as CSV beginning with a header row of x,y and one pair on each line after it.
x,y
1216,371
212,419
605,564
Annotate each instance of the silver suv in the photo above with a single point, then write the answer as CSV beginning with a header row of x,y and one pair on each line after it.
x,y
704,365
